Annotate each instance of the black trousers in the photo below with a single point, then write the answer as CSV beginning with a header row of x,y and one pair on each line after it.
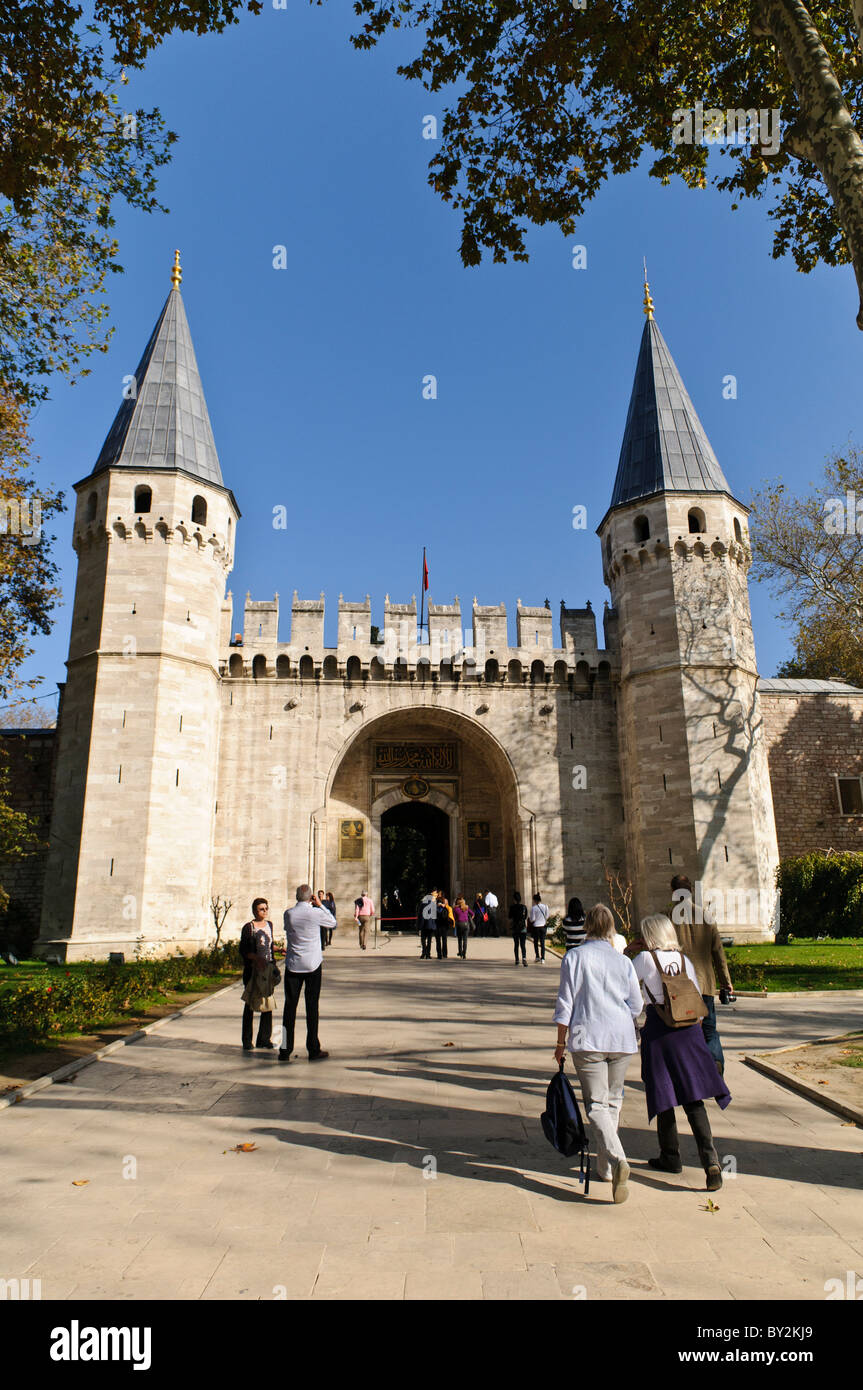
x,y
492,922
265,1027
426,933
520,938
461,933
294,984
440,936
669,1141
538,942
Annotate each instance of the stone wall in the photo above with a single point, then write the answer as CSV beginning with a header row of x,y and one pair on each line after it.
x,y
810,737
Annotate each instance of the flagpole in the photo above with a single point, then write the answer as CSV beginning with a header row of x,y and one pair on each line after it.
x,y
422,594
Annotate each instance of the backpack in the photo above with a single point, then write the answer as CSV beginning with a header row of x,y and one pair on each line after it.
x,y
563,1126
682,1004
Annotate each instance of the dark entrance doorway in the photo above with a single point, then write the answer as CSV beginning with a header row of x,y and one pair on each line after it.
x,y
414,857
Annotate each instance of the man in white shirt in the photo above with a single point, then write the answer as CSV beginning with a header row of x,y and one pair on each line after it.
x,y
491,908
303,969
538,919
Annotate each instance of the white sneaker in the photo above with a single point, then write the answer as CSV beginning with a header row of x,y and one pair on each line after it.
x,y
619,1181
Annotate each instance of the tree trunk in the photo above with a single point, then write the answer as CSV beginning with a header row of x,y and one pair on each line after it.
x,y
830,133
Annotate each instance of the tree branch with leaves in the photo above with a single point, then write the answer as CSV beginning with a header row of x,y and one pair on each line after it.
x,y
551,99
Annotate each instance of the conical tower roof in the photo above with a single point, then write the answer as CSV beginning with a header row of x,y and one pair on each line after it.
x,y
166,424
664,446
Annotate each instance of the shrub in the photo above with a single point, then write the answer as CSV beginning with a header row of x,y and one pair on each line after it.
x,y
822,894
78,1001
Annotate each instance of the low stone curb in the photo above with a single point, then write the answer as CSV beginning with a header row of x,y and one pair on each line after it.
x,y
813,1093
79,1063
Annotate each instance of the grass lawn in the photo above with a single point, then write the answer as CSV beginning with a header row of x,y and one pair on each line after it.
x,y
836,963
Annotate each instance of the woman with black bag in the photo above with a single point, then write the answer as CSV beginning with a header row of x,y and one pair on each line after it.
x,y
260,976
597,1003
677,1067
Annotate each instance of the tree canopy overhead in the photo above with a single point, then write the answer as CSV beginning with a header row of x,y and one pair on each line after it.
x,y
69,149
552,97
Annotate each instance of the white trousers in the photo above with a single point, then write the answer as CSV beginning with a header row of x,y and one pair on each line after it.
x,y
601,1076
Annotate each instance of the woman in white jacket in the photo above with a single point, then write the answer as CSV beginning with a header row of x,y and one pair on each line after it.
x,y
597,1003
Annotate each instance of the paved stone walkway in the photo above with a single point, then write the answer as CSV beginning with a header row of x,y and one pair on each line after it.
x,y
436,1068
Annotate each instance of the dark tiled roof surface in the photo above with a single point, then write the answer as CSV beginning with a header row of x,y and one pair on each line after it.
x,y
664,446
166,425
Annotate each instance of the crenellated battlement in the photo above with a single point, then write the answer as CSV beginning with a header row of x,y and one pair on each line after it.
x,y
447,652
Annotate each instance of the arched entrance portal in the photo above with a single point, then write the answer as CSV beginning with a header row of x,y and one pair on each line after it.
x,y
414,855
382,791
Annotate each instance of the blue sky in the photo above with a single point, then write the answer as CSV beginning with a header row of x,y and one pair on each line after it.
x,y
313,374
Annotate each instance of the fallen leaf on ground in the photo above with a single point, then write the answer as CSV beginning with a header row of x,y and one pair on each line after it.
x,y
80,1182
710,1206
240,1149
449,1044
823,1083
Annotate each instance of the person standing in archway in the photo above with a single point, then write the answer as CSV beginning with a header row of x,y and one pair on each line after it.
x,y
518,927
480,916
364,911
491,906
427,920
461,912
442,922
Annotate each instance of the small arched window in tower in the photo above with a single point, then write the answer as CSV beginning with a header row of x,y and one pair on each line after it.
x,y
641,527
738,531
537,672
92,503
143,499
492,670
697,524
199,511
307,668
259,667
354,669
608,549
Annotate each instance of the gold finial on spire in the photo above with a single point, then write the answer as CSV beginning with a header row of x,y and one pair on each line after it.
x,y
176,272
648,302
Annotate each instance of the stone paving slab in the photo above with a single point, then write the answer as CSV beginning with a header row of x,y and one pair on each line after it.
x,y
403,1168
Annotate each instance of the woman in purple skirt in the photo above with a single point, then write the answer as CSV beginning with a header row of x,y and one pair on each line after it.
x,y
676,1065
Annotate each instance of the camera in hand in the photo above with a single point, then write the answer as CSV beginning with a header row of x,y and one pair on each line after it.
x,y
727,996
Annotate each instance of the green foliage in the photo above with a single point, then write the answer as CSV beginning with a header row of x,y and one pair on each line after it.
x,y
551,99
809,551
69,148
73,1000
822,894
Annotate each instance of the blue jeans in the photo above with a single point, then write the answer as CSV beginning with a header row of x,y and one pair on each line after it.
x,y
711,1032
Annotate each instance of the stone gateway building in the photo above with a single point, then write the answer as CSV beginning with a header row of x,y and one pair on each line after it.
x,y
192,761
